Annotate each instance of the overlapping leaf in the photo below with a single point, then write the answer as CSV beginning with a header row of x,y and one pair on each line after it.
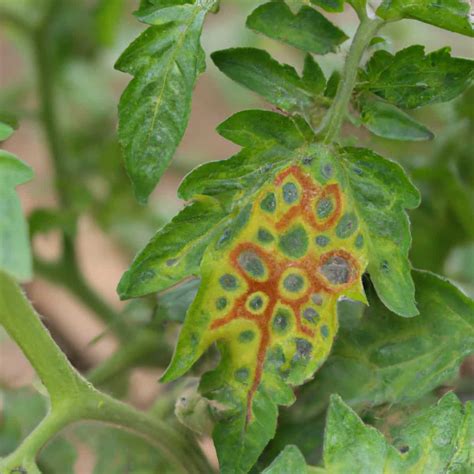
x,y
165,61
452,15
411,79
278,83
15,254
308,30
387,121
387,359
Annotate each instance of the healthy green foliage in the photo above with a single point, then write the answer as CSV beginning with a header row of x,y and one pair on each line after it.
x,y
452,15
15,255
330,5
436,440
307,30
165,61
410,79
289,460
278,83
388,121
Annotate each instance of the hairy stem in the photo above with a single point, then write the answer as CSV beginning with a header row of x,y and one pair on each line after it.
x,y
73,398
334,119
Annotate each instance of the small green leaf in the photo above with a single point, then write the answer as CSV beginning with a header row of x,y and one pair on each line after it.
x,y
330,5
258,71
332,84
290,460
452,15
175,251
165,61
307,30
15,253
313,76
410,79
387,359
436,440
388,121
381,191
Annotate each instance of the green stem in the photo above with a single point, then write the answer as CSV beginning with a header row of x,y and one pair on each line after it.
x,y
334,119
68,275
72,397
144,343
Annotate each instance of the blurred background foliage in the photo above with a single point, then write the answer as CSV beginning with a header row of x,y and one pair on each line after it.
x,y
59,54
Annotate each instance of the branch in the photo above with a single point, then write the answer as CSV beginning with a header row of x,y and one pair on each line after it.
x,y
72,397
334,119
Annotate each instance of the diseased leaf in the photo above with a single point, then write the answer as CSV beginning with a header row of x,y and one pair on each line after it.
x,y
436,440
452,15
411,79
330,5
175,251
290,460
381,191
387,359
165,61
387,121
258,71
294,231
307,30
15,253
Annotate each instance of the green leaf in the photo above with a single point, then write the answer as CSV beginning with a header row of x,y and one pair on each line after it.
x,y
15,254
175,251
307,30
437,440
388,121
165,61
381,191
267,137
258,71
290,460
411,79
387,359
330,5
313,76
452,15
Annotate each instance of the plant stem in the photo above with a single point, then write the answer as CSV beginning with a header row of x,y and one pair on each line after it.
x,y
72,397
334,119
68,275
144,343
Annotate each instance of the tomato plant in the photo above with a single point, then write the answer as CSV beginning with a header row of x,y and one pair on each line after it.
x,y
308,341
